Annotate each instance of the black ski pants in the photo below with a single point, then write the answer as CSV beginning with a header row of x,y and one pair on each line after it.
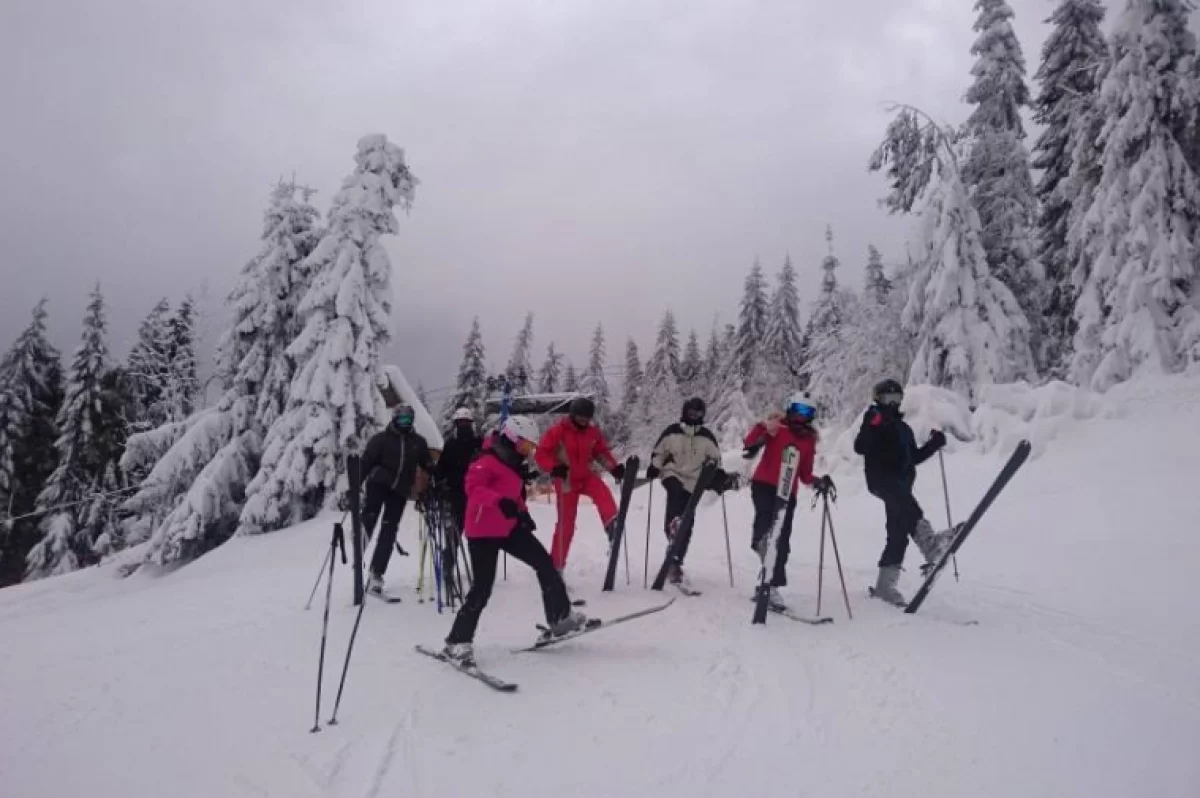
x,y
485,553
456,497
382,497
764,497
677,499
903,514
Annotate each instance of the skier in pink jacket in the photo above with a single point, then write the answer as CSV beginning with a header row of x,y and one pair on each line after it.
x,y
497,519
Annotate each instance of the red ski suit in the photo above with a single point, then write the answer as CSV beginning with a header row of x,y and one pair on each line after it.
x,y
772,456
566,444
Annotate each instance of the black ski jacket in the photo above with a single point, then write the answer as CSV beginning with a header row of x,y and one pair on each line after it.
x,y
890,452
392,458
457,453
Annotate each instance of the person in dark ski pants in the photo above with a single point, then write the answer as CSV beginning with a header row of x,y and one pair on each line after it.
x,y
772,437
498,520
389,467
461,446
890,459
679,456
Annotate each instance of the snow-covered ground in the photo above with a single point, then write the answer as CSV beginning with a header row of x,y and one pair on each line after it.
x,y
1080,677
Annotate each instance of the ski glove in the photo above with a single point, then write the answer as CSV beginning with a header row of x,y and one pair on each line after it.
x,y
652,472
559,471
823,485
720,482
509,508
937,439
525,521
618,473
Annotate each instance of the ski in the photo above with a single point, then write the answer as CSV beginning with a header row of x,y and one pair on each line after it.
x,y
470,670
1015,461
618,533
594,625
789,462
384,597
955,621
687,591
787,612
686,521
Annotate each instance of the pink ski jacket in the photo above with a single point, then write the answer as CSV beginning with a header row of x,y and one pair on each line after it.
x,y
488,481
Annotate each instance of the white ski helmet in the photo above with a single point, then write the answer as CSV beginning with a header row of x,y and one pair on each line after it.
x,y
462,414
520,428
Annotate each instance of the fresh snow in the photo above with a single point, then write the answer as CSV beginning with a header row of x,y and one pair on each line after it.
x,y
1079,679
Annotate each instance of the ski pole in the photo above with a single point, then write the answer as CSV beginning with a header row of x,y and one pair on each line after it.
x,y
838,557
728,551
949,523
317,583
646,562
338,540
821,557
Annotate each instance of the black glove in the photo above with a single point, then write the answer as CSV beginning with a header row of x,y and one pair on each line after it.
x,y
509,508
823,484
750,451
528,474
937,439
720,482
732,481
618,472
525,521
652,472
559,471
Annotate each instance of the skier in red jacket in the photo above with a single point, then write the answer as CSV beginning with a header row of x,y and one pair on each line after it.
x,y
567,452
772,437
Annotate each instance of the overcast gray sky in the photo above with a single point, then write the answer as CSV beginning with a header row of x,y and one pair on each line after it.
x,y
595,160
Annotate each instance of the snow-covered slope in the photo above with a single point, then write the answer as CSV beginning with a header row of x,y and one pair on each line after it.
x,y
1079,679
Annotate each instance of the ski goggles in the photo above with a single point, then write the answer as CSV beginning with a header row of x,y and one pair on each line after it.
x,y
803,410
525,447
403,419
893,399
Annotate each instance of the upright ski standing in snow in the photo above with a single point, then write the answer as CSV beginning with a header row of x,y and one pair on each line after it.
x,y
628,483
787,475
686,522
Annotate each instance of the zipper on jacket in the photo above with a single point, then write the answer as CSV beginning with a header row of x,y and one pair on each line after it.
x,y
400,468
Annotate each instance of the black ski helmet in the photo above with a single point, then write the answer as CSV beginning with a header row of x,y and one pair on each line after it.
x,y
581,407
403,417
891,389
693,411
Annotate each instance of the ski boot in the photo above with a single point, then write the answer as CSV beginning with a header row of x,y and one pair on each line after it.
x,y
573,622
375,585
461,654
775,599
885,586
933,545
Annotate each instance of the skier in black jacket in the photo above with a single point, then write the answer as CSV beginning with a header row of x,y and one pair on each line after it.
x,y
891,457
461,447
389,467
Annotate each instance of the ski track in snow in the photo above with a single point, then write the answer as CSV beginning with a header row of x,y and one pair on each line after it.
x,y
1079,679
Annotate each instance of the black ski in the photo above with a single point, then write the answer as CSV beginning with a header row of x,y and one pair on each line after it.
x,y
594,625
618,532
471,670
1018,458
786,612
789,462
686,521
384,597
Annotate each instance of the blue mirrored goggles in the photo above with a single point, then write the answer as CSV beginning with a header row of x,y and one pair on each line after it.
x,y
804,411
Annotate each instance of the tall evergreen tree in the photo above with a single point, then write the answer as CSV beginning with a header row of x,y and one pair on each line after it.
x,y
594,382
183,385
335,403
31,391
877,285
634,380
1071,60
149,367
749,356
828,312
1138,311
571,379
66,538
550,375
191,500
996,171
691,368
521,360
968,327
783,336
661,397
470,387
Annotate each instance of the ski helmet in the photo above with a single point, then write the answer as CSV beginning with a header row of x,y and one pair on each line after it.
x,y
581,407
693,411
463,414
800,407
888,392
403,417
521,432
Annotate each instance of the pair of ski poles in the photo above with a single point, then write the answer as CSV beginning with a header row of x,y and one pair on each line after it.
x,y
646,561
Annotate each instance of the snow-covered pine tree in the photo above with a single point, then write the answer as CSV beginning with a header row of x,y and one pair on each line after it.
x,y
149,367
783,338
749,355
521,360
661,397
550,374
876,286
31,391
470,387
66,539
335,404
1141,230
827,315
996,170
594,383
182,386
713,357
634,379
691,368
191,499
969,329
571,379
1071,60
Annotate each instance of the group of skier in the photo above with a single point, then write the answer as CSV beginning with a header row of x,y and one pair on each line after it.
x,y
483,481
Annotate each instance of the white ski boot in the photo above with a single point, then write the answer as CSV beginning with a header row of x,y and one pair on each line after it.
x,y
885,586
375,585
573,622
775,599
462,654
933,545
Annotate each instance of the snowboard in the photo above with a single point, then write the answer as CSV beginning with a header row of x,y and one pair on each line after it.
x,y
471,670
686,521
594,625
627,486
1015,461
789,462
